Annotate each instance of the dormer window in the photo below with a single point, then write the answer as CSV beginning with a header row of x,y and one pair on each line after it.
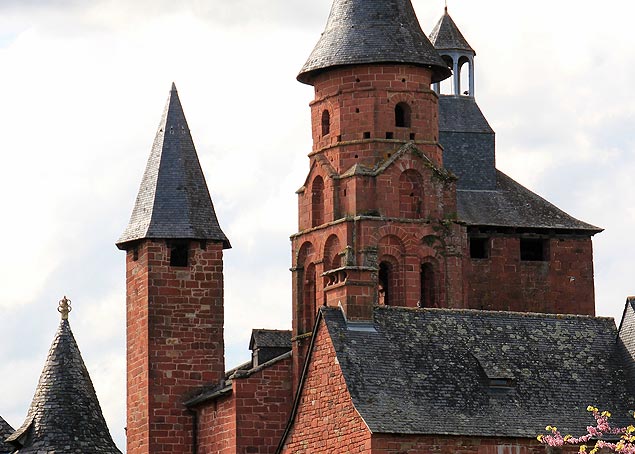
x,y
326,123
402,115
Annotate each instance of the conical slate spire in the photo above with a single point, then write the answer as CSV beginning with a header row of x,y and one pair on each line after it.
x,y
5,431
65,415
373,31
173,200
447,36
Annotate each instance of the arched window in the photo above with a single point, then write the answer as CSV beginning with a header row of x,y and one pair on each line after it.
x,y
446,87
464,76
326,123
332,249
317,202
385,278
402,115
410,195
428,290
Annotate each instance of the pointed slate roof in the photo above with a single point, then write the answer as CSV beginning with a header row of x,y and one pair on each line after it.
x,y
5,431
65,415
173,200
447,36
373,31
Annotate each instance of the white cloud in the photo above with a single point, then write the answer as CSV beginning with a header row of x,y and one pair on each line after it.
x,y
84,86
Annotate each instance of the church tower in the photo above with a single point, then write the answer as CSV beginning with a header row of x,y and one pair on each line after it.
x,y
376,210
174,275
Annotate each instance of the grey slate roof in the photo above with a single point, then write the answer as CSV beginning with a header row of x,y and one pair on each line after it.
x,y
5,431
447,36
461,114
513,205
173,201
430,371
373,31
65,416
270,338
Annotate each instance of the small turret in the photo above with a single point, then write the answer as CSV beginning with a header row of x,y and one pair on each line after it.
x,y
65,415
455,51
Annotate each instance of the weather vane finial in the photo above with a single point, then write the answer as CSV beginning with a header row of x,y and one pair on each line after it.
x,y
64,307
446,6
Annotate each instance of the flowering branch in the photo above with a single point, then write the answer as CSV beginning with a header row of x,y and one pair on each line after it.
x,y
625,445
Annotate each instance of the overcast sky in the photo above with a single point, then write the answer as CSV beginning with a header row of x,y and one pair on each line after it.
x,y
85,82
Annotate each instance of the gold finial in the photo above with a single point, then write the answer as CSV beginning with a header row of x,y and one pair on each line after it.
x,y
64,308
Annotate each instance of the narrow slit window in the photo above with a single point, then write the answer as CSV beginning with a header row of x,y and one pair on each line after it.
x,y
326,123
402,115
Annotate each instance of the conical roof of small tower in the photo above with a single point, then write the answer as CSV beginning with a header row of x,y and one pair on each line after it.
x,y
65,415
173,201
373,31
447,36
5,431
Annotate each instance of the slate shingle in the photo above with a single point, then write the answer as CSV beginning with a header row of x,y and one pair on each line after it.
x,y
446,35
513,205
428,371
270,338
5,431
173,201
65,415
373,31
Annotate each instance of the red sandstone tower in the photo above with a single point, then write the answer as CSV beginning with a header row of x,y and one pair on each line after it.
x,y
376,211
174,274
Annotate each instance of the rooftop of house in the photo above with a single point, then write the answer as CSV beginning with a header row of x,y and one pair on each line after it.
x,y
373,31
173,200
480,373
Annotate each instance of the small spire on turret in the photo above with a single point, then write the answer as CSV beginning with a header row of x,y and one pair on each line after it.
x,y
173,87
64,308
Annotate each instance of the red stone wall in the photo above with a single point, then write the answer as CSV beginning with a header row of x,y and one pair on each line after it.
x,y
263,405
326,420
174,341
563,284
217,426
409,444
252,419
361,100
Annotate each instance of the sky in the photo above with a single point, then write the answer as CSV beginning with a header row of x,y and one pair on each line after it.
x,y
85,82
